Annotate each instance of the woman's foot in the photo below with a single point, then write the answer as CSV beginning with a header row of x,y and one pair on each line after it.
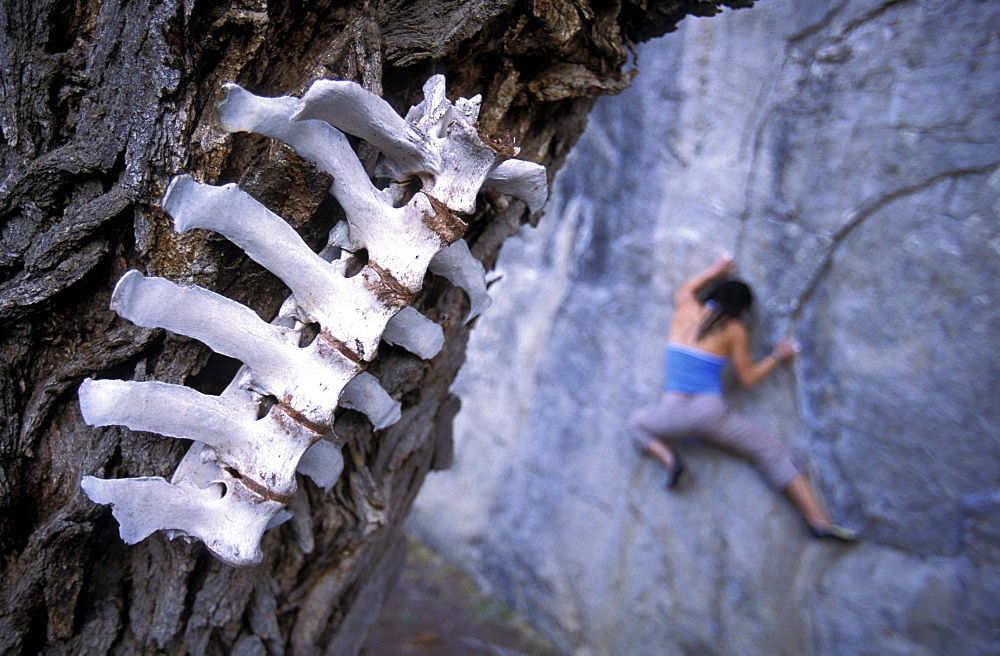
x,y
834,531
666,457
674,473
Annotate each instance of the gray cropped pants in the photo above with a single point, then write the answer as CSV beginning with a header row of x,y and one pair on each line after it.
x,y
709,417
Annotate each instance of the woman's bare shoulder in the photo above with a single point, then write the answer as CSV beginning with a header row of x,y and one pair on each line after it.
x,y
735,335
736,328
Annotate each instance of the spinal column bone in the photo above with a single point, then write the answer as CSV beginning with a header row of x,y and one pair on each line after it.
x,y
278,412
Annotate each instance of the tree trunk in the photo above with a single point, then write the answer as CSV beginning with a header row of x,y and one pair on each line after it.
x,y
101,104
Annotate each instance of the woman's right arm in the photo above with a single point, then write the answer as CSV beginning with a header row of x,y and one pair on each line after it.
x,y
748,372
688,291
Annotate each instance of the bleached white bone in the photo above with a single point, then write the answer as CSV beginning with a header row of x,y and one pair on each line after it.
x,y
242,110
317,141
431,113
278,519
227,516
240,470
349,309
521,179
265,451
397,239
414,332
323,462
262,234
462,269
309,379
198,468
349,107
366,395
447,153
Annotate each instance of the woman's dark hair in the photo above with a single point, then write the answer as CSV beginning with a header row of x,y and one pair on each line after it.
x,y
727,298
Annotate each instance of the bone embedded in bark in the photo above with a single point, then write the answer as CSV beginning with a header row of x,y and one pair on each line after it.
x,y
437,142
310,377
316,141
263,235
227,517
263,451
351,310
350,108
274,419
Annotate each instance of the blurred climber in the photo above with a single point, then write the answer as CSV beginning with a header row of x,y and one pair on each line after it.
x,y
705,332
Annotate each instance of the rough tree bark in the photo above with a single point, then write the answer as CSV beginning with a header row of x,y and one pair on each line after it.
x,y
101,103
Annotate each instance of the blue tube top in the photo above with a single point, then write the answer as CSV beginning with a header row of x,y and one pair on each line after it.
x,y
693,371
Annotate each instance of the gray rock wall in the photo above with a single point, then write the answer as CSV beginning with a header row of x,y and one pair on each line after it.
x,y
847,154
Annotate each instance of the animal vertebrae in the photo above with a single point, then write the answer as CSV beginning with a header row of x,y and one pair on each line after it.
x,y
240,471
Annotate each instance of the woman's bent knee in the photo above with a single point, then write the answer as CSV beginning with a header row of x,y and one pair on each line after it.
x,y
779,468
640,441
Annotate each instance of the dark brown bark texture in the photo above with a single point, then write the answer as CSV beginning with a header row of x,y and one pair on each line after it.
x,y
101,103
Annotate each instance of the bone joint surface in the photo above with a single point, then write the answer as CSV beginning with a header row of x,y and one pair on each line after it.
x,y
275,419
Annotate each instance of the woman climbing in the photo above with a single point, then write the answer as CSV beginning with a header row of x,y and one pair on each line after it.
x,y
705,332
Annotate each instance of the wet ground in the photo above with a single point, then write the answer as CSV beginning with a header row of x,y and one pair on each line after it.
x,y
436,610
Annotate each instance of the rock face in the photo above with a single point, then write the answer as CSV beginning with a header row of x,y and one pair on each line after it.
x,y
102,104
849,159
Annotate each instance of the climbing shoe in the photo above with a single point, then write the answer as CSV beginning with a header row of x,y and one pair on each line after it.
x,y
835,532
674,474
